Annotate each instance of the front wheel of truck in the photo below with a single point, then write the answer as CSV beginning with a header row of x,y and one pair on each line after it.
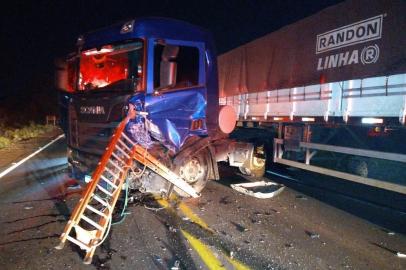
x,y
195,171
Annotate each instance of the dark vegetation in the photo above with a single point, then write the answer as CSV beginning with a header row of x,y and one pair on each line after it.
x,y
23,113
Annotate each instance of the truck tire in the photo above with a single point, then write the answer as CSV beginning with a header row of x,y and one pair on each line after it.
x,y
195,171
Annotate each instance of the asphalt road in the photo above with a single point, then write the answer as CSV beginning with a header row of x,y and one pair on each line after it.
x,y
223,229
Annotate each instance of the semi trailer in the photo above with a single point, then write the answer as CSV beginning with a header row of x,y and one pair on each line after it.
x,y
326,94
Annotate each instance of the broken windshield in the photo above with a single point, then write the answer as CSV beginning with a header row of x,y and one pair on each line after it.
x,y
112,67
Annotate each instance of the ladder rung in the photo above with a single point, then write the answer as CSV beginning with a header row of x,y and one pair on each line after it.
x,y
123,144
92,222
105,190
105,179
91,208
111,172
79,243
100,200
115,165
123,152
117,158
128,139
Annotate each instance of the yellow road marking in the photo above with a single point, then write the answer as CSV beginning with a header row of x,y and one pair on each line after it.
x,y
193,217
187,212
204,252
162,202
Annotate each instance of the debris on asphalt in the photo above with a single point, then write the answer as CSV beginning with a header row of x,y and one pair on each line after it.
x,y
28,207
289,245
239,227
260,189
158,259
225,200
255,221
312,235
172,229
388,232
401,255
231,254
301,197
176,265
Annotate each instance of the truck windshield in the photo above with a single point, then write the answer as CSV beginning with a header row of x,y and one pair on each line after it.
x,y
112,67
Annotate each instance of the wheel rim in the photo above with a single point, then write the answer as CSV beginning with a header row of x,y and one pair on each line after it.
x,y
192,171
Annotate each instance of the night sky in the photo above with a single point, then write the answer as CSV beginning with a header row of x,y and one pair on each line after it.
x,y
36,32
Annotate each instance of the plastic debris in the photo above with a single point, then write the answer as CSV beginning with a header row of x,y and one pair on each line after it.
x,y
176,265
401,255
231,254
260,189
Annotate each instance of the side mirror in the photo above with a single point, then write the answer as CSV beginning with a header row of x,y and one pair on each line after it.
x,y
61,74
167,74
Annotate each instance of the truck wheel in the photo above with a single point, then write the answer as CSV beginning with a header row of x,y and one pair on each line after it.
x,y
195,171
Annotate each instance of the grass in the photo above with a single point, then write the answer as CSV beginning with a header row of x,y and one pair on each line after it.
x,y
10,135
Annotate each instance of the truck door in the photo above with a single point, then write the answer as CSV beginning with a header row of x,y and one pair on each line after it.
x,y
176,100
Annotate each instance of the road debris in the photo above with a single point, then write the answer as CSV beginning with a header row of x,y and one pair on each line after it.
x,y
239,227
28,207
172,229
176,265
231,254
388,232
289,245
312,235
301,197
260,189
401,255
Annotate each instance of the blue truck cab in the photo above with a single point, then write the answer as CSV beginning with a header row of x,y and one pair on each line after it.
x,y
166,68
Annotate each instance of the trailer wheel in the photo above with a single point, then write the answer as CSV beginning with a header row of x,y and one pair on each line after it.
x,y
256,165
195,171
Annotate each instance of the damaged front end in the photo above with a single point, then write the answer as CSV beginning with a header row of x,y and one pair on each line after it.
x,y
164,131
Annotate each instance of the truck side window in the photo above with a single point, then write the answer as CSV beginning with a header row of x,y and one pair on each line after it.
x,y
175,66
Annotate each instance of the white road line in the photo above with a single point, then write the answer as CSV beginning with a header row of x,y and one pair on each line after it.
x,y
6,171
